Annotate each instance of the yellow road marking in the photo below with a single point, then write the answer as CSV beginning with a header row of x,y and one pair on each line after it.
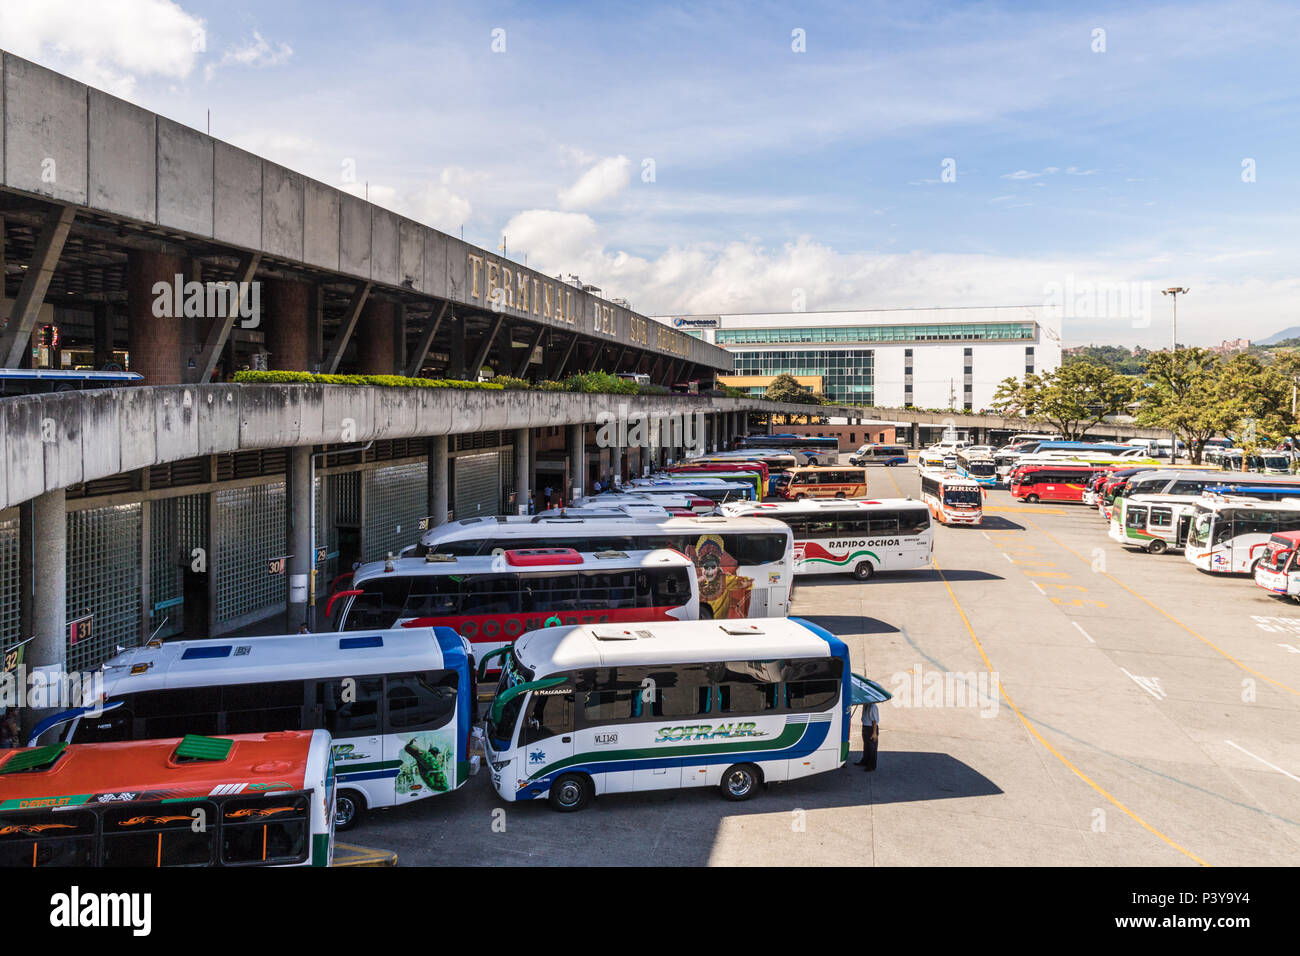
x,y
1208,643
1042,740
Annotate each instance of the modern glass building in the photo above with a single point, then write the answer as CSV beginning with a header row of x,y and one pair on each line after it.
x,y
897,358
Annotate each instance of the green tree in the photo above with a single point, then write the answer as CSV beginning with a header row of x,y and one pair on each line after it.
x,y
785,388
1072,399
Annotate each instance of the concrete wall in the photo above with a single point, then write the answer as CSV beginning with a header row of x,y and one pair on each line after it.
x,y
67,142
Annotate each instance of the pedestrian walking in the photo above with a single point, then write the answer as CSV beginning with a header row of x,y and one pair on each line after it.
x,y
870,737
532,505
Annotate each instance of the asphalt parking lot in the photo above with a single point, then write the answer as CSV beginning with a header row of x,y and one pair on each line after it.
x,y
1058,699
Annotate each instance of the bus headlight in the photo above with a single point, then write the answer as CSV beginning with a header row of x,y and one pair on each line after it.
x,y
498,765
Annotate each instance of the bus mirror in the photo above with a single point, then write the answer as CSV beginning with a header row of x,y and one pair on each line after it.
x,y
329,605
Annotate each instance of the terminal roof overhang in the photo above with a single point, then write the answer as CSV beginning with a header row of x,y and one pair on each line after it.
x,y
140,180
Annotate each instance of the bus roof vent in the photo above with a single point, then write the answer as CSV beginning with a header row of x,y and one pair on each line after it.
x,y
35,760
196,747
434,557
610,554
533,557
355,643
740,630
206,653
616,634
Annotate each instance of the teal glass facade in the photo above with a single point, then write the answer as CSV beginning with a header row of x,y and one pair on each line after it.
x,y
848,375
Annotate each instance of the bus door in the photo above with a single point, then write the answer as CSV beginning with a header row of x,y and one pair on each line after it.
x,y
546,734
1184,526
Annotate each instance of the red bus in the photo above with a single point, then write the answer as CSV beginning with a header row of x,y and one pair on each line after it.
x,y
492,599
1064,482
240,800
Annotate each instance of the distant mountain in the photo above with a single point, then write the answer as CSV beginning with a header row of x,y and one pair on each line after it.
x,y
1291,333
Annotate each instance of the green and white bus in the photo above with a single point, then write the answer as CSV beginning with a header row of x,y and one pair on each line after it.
x,y
580,712
1155,523
398,704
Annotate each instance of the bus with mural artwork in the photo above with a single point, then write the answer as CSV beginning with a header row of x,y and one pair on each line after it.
x,y
581,712
263,799
857,537
744,566
397,703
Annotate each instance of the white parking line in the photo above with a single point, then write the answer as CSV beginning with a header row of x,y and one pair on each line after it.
x,y
1149,684
1008,557
1263,761
1083,632
1291,648
986,536
1040,588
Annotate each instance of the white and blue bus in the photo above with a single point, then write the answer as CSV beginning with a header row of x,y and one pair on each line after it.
x,y
398,704
580,712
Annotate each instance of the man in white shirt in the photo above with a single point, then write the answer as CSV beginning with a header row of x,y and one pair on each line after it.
x,y
870,737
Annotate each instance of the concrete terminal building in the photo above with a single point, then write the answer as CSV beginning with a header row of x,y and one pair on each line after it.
x,y
892,358
166,509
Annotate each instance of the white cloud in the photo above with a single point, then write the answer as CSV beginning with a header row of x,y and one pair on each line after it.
x,y
1076,171
107,43
431,203
1021,174
603,181
256,52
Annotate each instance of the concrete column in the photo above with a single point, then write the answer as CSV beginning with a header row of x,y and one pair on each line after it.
x,y
154,341
438,475
298,536
286,310
103,334
399,339
522,444
49,556
375,338
532,465
456,354
578,460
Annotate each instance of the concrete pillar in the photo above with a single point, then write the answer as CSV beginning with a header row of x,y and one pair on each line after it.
x,y
286,311
49,562
532,463
375,332
522,444
438,475
298,536
578,461
103,335
154,342
456,359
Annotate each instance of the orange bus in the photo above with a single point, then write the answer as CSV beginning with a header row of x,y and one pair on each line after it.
x,y
240,800
826,481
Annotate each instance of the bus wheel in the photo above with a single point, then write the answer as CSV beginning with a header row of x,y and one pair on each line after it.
x,y
800,497
571,792
740,781
812,462
348,805
840,495
864,571
1032,499
1157,546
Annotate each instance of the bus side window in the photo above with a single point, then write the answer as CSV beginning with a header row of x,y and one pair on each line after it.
x,y
490,594
746,698
351,706
550,594
175,713
549,715
110,726
414,702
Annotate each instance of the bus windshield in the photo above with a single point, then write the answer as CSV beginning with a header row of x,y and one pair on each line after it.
x,y
1199,536
962,496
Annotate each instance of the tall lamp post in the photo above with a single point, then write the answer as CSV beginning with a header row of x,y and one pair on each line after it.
x,y
1173,355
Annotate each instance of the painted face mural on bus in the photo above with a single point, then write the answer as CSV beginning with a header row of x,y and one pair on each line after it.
x,y
724,592
428,764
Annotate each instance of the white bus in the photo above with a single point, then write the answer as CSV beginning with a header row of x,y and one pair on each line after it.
x,y
1230,535
398,704
744,567
863,537
951,498
492,599
1155,523
1277,571
584,711
696,485
933,458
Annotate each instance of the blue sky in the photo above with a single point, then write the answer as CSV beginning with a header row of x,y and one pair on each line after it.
x,y
1102,171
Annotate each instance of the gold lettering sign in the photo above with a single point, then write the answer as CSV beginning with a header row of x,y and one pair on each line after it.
x,y
477,263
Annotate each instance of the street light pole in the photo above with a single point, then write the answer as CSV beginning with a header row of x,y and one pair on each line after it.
x,y
1175,291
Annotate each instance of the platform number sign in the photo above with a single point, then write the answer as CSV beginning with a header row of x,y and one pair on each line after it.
x,y
321,555
277,565
81,629
423,523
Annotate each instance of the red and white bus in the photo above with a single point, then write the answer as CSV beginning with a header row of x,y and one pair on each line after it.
x,y
491,600
951,498
1064,482
241,800
1278,572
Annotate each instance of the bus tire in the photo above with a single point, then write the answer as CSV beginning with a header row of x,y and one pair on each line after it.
x,y
740,781
812,462
1032,499
348,805
570,793
839,495
864,571
800,497
1157,546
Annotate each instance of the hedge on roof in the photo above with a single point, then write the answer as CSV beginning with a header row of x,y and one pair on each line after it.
x,y
250,377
